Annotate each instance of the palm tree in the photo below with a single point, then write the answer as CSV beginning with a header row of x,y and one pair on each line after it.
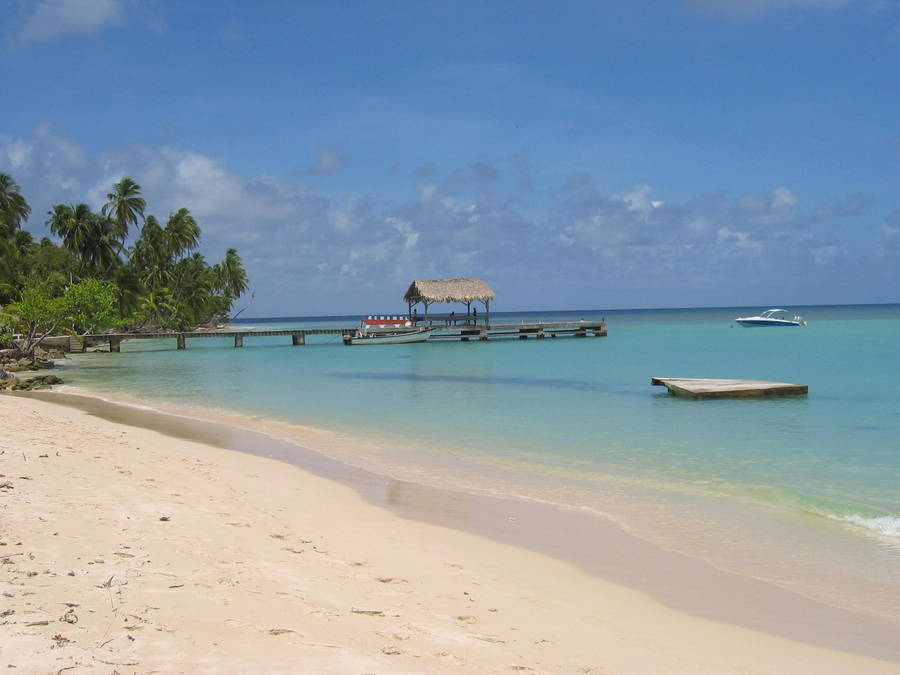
x,y
72,224
89,236
13,207
159,306
230,275
124,205
182,233
150,256
127,289
100,252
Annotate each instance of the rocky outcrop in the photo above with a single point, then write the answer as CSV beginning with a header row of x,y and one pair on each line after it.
x,y
11,382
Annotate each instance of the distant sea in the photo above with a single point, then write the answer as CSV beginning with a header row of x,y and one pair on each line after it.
x,y
801,491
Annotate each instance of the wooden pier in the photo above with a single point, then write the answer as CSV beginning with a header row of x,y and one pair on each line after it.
x,y
463,332
704,388
538,330
298,336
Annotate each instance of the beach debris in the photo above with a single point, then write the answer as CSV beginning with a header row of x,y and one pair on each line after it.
x,y
292,550
70,616
466,618
8,612
107,583
367,612
130,662
164,518
60,640
278,536
492,639
6,485
391,650
280,631
177,586
520,668
392,580
37,623
493,609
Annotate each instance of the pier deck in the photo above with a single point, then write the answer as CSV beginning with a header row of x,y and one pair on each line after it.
x,y
298,336
706,388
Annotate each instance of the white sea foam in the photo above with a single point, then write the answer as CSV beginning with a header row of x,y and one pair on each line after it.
x,y
886,526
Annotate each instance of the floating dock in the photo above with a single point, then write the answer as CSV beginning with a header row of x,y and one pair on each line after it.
x,y
705,388
464,332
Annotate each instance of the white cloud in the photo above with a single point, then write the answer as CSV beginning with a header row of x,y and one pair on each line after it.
x,y
329,160
322,254
638,199
783,198
49,19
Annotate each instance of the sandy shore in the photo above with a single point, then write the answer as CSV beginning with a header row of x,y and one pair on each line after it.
x,y
127,550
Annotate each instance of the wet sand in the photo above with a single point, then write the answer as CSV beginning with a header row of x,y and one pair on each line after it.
x,y
189,555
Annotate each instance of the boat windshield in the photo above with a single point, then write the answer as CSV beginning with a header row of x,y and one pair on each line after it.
x,y
770,313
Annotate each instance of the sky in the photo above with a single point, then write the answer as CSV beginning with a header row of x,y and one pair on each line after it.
x,y
575,155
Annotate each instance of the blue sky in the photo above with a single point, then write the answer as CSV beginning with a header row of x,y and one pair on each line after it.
x,y
574,155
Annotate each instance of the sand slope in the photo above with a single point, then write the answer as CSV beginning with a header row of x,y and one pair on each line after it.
x,y
125,550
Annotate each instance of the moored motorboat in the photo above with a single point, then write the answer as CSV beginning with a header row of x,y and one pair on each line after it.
x,y
771,317
386,330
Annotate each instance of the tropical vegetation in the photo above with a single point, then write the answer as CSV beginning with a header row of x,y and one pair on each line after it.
x,y
92,280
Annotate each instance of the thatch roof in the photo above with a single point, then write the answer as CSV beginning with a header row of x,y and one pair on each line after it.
x,y
448,290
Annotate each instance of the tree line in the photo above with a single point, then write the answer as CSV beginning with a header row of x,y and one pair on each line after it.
x,y
93,281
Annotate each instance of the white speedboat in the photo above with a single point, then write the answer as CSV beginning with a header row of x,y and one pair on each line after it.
x,y
771,317
386,330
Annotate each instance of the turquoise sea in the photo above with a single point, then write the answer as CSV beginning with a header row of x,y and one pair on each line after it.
x,y
801,491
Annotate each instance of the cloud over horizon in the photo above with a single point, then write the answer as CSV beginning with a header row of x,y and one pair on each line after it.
x,y
310,252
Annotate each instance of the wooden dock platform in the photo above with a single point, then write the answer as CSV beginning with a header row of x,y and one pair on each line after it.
x,y
462,332
706,388
298,336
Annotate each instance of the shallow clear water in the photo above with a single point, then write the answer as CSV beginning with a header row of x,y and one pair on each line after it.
x,y
801,490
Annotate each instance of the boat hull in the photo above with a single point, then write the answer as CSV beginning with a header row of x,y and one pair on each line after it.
x,y
407,337
756,323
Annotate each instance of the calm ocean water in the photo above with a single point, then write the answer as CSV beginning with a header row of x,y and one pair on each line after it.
x,y
802,491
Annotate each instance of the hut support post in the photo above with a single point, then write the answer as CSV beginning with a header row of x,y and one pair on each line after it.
x,y
115,344
180,344
298,339
238,340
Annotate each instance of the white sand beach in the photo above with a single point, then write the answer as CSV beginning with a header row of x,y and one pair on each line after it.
x,y
126,550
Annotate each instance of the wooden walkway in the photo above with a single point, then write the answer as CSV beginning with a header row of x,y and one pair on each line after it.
x,y
702,388
298,336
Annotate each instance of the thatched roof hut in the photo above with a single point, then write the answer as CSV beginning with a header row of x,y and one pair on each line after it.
x,y
465,290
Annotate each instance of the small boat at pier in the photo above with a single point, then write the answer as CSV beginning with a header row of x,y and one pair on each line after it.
x,y
386,330
771,317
